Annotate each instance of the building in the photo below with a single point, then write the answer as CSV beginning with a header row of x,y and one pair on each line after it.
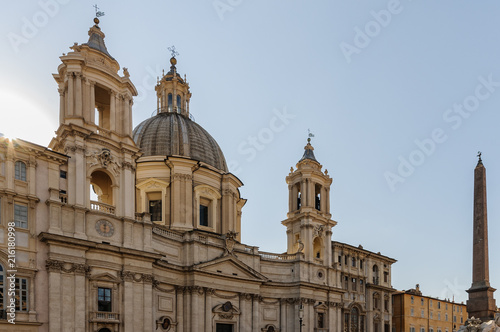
x,y
415,312
122,229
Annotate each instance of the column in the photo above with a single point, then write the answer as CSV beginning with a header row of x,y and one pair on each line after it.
x,y
127,311
208,309
180,309
54,306
255,313
92,102
79,298
112,111
62,111
78,97
148,303
32,176
69,99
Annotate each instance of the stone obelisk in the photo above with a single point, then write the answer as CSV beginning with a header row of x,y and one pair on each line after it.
x,y
481,303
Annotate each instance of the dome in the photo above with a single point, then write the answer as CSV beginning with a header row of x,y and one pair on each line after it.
x,y
169,134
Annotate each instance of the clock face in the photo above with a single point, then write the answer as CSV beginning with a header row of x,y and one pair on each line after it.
x,y
104,228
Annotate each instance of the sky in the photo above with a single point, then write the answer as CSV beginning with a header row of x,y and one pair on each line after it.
x,y
400,97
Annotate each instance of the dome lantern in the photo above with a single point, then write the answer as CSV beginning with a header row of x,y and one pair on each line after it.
x,y
172,91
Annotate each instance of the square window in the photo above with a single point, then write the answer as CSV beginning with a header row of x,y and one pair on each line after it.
x,y
20,171
21,294
63,174
155,209
21,215
203,215
104,299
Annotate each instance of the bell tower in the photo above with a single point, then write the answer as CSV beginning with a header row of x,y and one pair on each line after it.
x,y
95,131
309,224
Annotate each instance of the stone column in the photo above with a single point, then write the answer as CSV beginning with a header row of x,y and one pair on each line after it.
x,y
92,103
255,313
208,309
180,309
69,99
112,111
79,297
127,311
78,96
148,302
62,109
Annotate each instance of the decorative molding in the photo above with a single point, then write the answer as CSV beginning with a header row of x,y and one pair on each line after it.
x,y
59,266
104,158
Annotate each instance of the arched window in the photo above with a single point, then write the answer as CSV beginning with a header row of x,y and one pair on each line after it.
x,y
170,102
354,321
376,300
101,192
20,171
317,247
299,200
179,104
317,197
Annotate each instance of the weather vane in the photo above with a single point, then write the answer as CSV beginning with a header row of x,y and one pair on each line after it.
x,y
479,153
97,12
309,135
173,51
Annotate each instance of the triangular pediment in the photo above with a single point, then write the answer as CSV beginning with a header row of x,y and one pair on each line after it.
x,y
105,277
230,266
152,183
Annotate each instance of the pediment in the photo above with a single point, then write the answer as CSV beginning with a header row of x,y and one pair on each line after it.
x,y
230,266
105,277
152,183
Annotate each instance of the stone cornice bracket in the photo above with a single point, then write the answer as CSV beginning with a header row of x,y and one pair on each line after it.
x,y
59,266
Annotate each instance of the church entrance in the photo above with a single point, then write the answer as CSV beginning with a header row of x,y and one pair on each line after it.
x,y
224,327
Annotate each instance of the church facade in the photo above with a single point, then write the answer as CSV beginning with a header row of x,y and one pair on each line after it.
x,y
122,229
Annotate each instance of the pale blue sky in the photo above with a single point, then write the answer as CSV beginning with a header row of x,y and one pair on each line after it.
x,y
368,78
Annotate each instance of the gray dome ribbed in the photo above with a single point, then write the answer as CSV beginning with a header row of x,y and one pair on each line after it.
x,y
168,134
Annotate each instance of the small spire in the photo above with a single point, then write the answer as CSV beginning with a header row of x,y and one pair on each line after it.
x,y
308,149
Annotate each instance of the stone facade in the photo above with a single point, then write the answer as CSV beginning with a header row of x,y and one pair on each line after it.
x,y
110,238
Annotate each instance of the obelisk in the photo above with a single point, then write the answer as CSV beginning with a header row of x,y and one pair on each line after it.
x,y
481,303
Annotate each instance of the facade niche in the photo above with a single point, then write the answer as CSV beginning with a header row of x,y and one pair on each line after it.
x,y
318,248
155,206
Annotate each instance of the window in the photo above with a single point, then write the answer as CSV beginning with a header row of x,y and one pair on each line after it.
x,y
422,313
104,299
431,329
361,264
439,316
2,297
375,275
63,174
446,317
375,301
412,300
439,305
446,306
421,301
346,260
340,260
354,284
386,276
20,170
203,215
21,294
178,103
454,319
155,210
21,215
412,313
431,315
430,303
412,329
386,304
353,262
361,285
299,201
170,102
321,320
422,329
346,282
